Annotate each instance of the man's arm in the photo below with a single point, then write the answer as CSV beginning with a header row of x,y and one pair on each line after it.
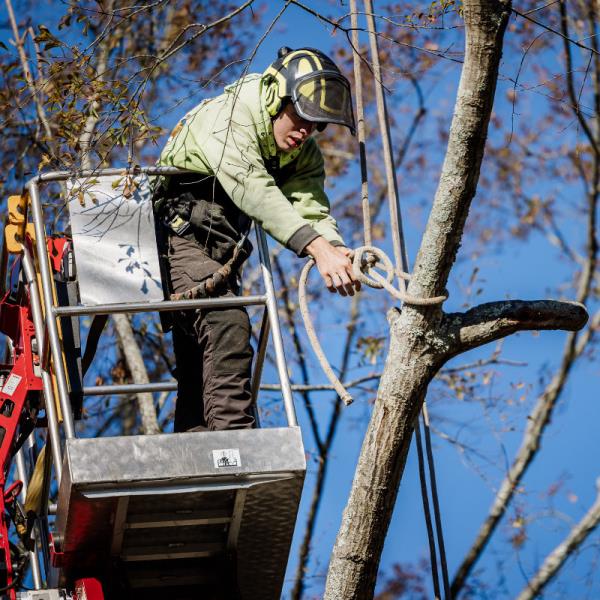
x,y
304,186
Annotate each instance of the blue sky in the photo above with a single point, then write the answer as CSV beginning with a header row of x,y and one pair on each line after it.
x,y
518,270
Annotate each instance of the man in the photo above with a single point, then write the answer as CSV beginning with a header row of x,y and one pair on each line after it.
x,y
252,157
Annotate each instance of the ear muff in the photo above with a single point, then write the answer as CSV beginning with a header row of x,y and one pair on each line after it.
x,y
272,99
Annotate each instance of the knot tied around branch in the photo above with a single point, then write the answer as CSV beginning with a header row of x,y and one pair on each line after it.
x,y
362,264
364,259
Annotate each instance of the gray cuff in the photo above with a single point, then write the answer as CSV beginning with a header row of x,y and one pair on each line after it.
x,y
301,238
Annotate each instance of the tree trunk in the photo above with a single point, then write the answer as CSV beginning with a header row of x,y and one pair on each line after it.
x,y
416,350
139,373
131,349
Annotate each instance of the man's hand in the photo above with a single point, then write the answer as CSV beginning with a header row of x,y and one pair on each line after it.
x,y
334,265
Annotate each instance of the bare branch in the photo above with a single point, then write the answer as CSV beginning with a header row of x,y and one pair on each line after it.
x,y
557,558
536,424
569,70
554,31
174,47
27,71
325,387
494,320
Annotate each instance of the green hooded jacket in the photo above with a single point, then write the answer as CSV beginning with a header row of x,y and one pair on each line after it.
x,y
231,137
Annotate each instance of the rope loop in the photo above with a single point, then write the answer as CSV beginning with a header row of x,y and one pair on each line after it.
x,y
312,335
364,259
361,264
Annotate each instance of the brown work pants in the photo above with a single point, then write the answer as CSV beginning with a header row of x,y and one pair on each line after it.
x,y
212,349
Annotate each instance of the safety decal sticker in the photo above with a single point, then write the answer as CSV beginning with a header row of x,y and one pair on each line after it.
x,y
12,383
228,457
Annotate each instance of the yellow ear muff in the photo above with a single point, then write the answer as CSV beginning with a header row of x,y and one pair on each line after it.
x,y
272,100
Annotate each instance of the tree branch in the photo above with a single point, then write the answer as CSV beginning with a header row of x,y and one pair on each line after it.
x,y
139,373
27,71
557,558
494,320
570,86
537,422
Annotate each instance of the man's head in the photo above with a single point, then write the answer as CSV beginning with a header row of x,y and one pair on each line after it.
x,y
306,87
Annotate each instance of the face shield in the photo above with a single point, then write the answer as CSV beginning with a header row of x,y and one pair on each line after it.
x,y
324,97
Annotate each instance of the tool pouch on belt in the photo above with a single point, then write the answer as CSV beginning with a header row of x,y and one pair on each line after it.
x,y
196,207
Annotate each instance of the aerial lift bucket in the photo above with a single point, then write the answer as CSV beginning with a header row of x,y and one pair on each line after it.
x,y
194,515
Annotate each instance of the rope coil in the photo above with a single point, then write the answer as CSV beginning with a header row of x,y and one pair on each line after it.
x,y
374,280
364,260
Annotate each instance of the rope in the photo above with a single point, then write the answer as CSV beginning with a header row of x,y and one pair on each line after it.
x,y
427,511
360,266
399,246
436,503
342,392
213,285
360,123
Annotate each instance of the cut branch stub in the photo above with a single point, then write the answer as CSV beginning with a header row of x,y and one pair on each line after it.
x,y
495,320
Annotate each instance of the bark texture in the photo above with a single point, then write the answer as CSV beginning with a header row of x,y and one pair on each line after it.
x,y
422,339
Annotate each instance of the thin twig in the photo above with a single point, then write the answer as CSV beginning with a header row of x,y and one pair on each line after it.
x,y
555,31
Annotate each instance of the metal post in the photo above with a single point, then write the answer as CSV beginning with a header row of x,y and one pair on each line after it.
x,y
51,324
3,267
23,475
42,521
162,306
286,390
49,401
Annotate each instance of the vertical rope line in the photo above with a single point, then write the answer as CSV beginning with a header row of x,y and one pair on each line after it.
x,y
427,511
361,128
401,259
436,503
384,126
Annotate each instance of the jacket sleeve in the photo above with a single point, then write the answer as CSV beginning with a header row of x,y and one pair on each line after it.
x,y
231,149
305,189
